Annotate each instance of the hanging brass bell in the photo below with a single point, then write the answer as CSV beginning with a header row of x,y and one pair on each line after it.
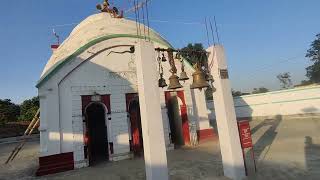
x,y
183,76
162,82
174,82
199,80
163,59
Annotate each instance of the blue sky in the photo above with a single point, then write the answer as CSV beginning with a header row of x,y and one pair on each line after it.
x,y
261,38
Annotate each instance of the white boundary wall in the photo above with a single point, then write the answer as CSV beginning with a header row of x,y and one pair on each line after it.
x,y
303,100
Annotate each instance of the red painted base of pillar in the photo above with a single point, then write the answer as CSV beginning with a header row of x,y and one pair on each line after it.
x,y
55,164
206,134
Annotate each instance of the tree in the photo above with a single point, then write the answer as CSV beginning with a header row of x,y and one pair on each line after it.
x,y
304,83
192,55
29,108
260,90
8,111
285,80
236,93
313,71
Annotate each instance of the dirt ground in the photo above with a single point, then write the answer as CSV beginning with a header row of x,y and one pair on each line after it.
x,y
284,149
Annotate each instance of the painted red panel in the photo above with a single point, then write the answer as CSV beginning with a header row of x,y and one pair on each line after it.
x,y
167,96
135,127
129,97
185,124
55,163
206,134
245,134
85,101
54,46
106,101
181,96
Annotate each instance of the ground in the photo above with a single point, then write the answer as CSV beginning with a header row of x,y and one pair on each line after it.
x,y
284,149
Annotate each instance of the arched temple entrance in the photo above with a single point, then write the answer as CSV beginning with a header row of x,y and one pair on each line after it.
x,y
96,133
133,108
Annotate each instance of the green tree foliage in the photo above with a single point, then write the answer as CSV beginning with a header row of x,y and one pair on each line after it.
x,y
260,90
304,83
29,108
8,111
194,52
236,93
285,80
313,71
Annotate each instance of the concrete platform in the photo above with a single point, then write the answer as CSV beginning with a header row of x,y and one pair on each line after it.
x,y
284,149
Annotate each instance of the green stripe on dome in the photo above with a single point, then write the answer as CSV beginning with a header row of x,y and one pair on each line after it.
x,y
57,66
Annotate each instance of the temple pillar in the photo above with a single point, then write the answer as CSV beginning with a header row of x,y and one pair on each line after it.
x,y
152,124
232,157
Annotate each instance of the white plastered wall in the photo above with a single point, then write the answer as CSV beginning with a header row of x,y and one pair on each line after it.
x,y
60,100
303,100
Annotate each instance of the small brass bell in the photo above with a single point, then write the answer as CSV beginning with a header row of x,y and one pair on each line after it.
x,y
183,76
163,59
162,82
199,80
174,82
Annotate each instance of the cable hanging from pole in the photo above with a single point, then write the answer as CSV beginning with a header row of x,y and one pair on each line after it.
x,y
215,23
214,42
148,20
144,24
136,17
138,13
205,21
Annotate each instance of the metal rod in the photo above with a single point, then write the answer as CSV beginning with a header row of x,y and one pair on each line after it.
x,y
177,50
215,23
148,20
214,42
205,21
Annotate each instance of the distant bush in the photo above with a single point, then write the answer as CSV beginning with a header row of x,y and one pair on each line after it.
x,y
28,109
8,111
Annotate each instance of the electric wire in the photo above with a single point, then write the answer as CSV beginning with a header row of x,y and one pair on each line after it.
x,y
144,24
205,20
148,23
136,17
215,24
212,34
138,12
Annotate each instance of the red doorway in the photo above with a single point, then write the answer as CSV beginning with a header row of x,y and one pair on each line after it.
x,y
169,96
133,109
94,110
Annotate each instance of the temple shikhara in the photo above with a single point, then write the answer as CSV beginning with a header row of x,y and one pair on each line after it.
x,y
89,103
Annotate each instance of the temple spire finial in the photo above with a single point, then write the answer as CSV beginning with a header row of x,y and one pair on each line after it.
x,y
105,7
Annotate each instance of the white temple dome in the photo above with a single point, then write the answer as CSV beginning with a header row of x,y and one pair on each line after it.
x,y
97,27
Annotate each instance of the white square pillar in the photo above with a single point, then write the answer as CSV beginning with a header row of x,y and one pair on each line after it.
x,y
232,157
152,125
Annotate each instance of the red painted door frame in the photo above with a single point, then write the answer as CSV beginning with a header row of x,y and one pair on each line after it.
x,y
86,100
136,144
184,115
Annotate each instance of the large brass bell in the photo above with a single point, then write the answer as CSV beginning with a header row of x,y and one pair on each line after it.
x,y
174,82
183,76
199,80
162,82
